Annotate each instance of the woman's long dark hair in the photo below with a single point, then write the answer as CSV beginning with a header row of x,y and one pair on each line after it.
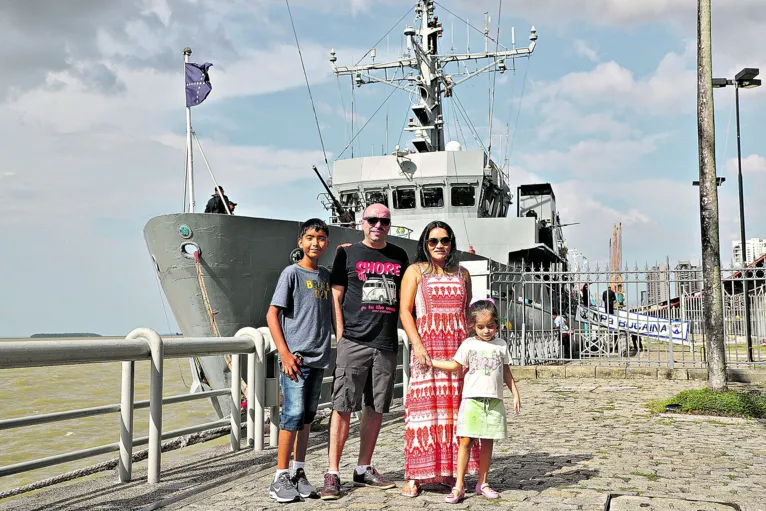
x,y
424,256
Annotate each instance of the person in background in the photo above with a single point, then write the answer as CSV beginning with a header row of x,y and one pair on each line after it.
x,y
560,325
609,297
216,203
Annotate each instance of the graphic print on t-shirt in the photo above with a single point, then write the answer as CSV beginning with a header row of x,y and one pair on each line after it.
x,y
379,290
378,285
371,280
488,362
321,289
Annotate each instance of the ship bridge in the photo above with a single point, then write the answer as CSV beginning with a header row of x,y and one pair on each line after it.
x,y
463,188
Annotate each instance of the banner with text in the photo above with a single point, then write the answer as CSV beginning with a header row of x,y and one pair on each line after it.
x,y
633,323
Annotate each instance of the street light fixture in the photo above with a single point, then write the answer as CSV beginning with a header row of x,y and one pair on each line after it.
x,y
745,79
718,181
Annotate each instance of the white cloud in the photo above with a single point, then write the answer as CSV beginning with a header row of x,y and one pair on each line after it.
x,y
754,163
585,50
563,121
609,159
669,90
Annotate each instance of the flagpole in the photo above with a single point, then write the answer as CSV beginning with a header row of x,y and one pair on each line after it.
x,y
189,155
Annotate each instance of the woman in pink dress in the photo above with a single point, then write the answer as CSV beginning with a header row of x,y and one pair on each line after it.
x,y
439,290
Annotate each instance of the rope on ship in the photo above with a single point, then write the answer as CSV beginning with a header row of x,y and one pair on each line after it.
x,y
211,315
170,445
205,297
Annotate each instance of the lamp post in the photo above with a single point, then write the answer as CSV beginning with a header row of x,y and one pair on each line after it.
x,y
745,79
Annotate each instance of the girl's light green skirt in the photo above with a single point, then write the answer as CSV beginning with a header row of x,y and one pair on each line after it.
x,y
482,417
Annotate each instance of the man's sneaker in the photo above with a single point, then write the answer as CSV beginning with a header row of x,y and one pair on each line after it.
x,y
302,484
283,490
331,489
371,477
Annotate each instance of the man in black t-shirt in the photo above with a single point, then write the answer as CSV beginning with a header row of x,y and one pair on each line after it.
x,y
365,279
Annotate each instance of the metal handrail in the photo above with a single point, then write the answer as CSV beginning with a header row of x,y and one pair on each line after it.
x,y
143,344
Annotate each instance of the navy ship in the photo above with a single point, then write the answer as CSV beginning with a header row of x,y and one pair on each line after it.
x,y
219,271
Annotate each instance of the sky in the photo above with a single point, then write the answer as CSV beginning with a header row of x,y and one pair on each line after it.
x,y
92,127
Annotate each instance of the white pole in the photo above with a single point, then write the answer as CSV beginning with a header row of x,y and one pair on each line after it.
x,y
127,395
189,154
217,188
235,436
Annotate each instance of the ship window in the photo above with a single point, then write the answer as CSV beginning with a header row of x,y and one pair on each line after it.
x,y
463,195
432,197
376,197
349,199
404,198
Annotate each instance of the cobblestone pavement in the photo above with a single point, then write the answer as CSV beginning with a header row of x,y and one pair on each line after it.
x,y
578,444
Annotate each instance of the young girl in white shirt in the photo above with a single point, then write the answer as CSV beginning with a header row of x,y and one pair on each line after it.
x,y
482,412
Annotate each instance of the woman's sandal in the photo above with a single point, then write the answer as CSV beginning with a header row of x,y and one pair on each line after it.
x,y
456,496
411,489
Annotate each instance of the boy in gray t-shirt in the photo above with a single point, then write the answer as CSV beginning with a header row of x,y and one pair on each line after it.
x,y
300,321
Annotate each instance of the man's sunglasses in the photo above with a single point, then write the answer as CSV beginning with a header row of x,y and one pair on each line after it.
x,y
373,220
435,241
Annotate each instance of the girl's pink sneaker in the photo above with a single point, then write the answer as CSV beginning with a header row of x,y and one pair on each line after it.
x,y
484,489
456,496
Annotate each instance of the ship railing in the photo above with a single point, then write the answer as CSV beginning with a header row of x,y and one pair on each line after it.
x,y
398,230
146,344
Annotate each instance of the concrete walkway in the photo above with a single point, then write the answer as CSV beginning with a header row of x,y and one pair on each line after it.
x,y
579,444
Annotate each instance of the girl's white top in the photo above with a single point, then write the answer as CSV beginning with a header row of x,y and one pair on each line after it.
x,y
484,361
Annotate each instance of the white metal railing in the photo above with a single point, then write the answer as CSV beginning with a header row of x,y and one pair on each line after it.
x,y
146,344
143,344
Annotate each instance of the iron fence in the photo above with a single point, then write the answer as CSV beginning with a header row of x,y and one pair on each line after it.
x,y
650,316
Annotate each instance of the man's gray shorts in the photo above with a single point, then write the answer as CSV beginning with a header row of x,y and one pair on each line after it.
x,y
362,372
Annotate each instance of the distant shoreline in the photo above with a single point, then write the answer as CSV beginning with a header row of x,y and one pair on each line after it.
x,y
64,335
69,336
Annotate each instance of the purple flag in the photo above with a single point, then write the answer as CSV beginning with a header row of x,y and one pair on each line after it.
x,y
197,83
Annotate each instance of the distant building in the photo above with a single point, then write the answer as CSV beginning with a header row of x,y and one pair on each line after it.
x,y
688,278
754,248
657,285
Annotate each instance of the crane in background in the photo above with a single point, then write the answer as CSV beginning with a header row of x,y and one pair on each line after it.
x,y
615,264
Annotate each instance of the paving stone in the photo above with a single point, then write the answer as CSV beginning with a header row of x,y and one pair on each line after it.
x,y
573,371
574,443
610,372
551,372
635,503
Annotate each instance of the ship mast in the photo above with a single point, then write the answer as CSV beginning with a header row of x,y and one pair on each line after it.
x,y
427,77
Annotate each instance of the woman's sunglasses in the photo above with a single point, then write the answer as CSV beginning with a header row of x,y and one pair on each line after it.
x,y
373,220
432,242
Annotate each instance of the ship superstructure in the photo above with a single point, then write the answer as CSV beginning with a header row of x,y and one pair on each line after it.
x,y
438,180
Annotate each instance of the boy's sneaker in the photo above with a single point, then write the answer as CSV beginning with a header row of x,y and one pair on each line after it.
x,y
371,477
331,489
302,484
283,489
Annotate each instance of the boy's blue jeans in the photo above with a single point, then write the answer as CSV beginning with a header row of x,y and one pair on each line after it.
x,y
300,399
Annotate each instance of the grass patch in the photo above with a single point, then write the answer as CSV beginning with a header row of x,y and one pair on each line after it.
x,y
751,405
650,476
